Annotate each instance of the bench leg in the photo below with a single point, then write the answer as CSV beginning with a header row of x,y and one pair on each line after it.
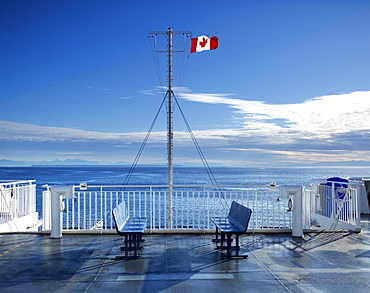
x,y
237,247
216,239
136,243
131,239
220,240
228,245
222,246
133,244
126,248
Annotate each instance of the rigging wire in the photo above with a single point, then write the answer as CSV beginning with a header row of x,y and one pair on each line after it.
x,y
182,72
157,66
200,152
197,146
138,155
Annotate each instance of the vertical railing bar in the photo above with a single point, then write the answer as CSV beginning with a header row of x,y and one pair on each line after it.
x,y
158,211
96,207
165,208
90,211
151,202
84,211
175,224
184,196
104,193
68,215
79,212
206,195
275,222
191,214
198,210
145,204
109,212
134,196
153,207
191,220
140,197
101,204
159,220
74,200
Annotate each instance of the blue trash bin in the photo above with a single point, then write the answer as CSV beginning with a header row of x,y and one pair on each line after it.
x,y
338,185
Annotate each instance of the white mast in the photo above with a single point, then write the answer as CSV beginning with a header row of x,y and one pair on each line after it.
x,y
169,110
169,34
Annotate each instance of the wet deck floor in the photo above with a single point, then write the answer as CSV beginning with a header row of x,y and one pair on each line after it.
x,y
320,262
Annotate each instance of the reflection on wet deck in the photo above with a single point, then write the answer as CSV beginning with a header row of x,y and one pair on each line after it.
x,y
320,262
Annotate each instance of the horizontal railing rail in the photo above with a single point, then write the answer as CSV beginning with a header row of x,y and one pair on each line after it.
x,y
181,207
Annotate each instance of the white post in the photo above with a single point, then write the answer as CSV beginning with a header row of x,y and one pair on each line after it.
x,y
56,211
357,211
56,216
297,209
46,209
297,214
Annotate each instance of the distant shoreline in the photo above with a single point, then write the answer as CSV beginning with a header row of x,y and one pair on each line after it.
x,y
184,166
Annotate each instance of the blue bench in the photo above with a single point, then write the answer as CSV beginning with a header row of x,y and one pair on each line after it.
x,y
130,227
235,223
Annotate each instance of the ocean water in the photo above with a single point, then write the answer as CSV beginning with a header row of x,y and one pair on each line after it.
x,y
115,175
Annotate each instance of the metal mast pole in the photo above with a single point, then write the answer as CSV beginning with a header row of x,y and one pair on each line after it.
x,y
169,111
169,34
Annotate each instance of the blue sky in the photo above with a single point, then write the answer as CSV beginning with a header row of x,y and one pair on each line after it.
x,y
288,85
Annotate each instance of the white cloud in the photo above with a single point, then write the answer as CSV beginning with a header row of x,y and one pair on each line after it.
x,y
304,132
310,156
13,131
150,92
319,118
126,98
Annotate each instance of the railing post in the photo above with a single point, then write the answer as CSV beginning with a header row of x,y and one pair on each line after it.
x,y
151,207
56,208
333,201
296,192
46,209
357,210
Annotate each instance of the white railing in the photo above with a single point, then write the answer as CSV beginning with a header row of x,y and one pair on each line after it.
x,y
333,205
186,208
17,199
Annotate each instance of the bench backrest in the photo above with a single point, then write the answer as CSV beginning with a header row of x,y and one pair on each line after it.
x,y
239,215
120,215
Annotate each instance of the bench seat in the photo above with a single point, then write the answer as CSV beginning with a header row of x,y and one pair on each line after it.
x,y
129,227
235,223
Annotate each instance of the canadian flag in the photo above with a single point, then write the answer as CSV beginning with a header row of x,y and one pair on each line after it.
x,y
202,43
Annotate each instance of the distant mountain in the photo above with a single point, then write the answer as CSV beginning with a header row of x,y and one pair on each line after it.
x,y
345,164
67,162
11,163
77,162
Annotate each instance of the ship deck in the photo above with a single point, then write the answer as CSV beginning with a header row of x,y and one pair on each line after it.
x,y
319,262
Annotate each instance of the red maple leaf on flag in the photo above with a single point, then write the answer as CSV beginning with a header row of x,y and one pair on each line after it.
x,y
203,43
